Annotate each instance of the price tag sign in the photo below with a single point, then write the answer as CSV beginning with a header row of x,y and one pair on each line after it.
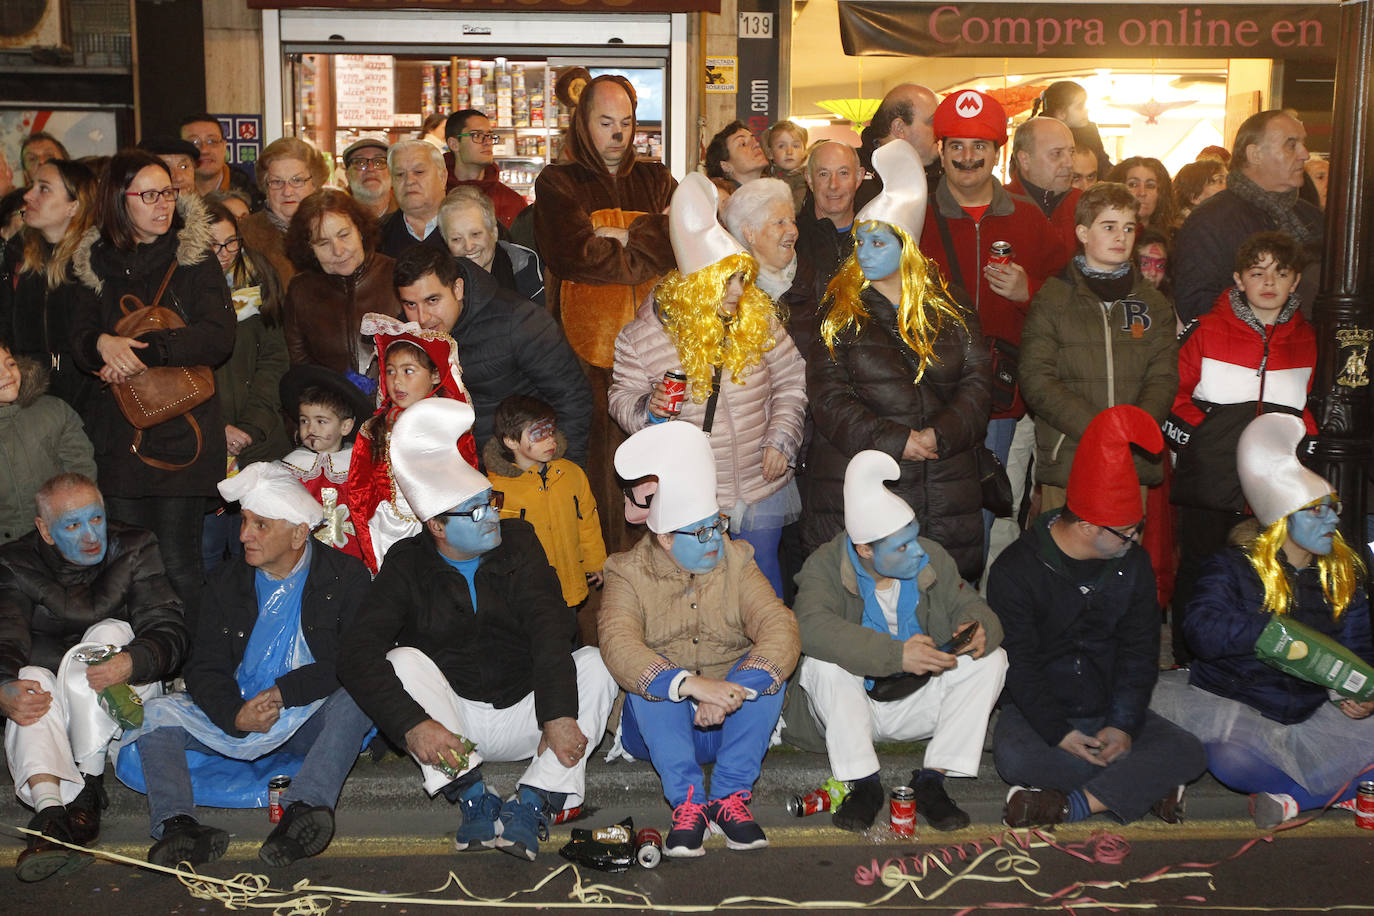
x,y
756,25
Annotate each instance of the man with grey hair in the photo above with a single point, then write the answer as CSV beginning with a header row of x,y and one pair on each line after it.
x,y
418,177
369,176
468,221
1042,170
907,113
833,175
79,588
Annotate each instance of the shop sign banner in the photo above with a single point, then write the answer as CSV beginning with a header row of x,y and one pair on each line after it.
x,y
1155,30
567,6
759,49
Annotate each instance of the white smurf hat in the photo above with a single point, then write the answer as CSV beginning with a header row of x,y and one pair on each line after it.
x,y
871,510
431,473
699,240
679,455
1274,482
270,490
902,201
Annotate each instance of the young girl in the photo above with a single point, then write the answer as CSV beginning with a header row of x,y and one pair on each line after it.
x,y
416,364
785,144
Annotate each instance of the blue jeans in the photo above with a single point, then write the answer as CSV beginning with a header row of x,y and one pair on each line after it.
x,y
329,741
765,542
997,441
219,539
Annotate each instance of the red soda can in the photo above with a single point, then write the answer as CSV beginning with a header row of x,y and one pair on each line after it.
x,y
568,814
675,386
902,811
808,804
1000,253
648,848
1364,806
275,787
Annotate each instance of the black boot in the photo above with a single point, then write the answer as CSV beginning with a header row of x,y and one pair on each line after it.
x,y
84,811
42,858
304,831
184,839
861,806
934,804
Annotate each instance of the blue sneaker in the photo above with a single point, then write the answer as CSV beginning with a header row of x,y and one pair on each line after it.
x,y
480,826
523,824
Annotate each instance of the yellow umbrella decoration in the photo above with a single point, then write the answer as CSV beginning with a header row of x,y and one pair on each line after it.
x,y
855,111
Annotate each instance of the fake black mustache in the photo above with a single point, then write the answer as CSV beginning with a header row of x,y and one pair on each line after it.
x,y
969,166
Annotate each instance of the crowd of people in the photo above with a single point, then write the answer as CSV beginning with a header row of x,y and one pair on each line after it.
x,y
827,445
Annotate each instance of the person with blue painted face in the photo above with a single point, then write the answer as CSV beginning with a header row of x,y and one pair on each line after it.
x,y
465,640
1291,745
79,582
877,608
703,646
898,367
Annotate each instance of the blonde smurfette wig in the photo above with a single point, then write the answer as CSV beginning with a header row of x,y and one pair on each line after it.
x,y
921,315
687,307
1340,570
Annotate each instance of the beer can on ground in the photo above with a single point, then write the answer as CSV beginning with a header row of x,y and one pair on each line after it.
x,y
675,386
568,814
902,811
1364,805
808,804
275,787
649,848
1000,253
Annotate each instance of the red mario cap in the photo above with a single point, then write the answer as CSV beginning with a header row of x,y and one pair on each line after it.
x,y
971,114
1104,488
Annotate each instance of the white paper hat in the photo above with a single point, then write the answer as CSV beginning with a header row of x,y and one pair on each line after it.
x,y
270,490
699,240
871,510
425,461
679,455
902,201
1274,482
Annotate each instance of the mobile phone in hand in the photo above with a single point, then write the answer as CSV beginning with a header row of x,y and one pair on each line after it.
x,y
960,641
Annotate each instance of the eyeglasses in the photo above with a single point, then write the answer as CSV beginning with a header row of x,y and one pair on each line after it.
x,y
481,136
1135,534
150,197
366,165
202,142
704,534
492,506
231,245
297,181
634,500
1321,507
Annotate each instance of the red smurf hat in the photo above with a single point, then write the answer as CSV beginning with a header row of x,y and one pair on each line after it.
x,y
1104,488
971,114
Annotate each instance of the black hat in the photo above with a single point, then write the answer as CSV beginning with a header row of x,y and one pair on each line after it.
x,y
170,146
299,378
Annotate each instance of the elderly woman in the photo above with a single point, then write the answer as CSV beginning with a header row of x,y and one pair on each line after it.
x,y
333,243
467,219
899,368
289,170
745,378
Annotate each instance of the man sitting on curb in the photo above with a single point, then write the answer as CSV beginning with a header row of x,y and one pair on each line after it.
x,y
874,606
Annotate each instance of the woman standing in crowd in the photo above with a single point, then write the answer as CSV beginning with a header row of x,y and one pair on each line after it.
x,y
333,242
467,218
1148,180
1194,183
58,209
289,170
745,379
148,242
899,368
1068,101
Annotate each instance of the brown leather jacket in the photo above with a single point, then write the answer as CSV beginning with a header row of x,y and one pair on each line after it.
x,y
324,314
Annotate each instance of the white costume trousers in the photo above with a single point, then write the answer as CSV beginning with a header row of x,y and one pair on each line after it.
x,y
951,710
511,733
71,739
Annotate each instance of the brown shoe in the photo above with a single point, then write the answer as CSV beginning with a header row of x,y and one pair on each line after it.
x,y
1030,807
1169,809
43,858
84,812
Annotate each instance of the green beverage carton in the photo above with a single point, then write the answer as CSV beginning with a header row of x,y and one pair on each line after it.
x,y
1301,651
119,701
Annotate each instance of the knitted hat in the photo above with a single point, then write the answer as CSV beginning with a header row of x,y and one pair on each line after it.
x,y
871,510
902,201
1274,482
679,454
425,461
1104,488
269,489
699,240
973,115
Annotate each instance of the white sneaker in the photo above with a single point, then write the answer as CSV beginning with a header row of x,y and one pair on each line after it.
x,y
1269,809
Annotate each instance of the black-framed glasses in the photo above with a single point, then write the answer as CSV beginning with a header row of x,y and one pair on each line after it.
x,y
1136,533
704,534
202,142
490,507
481,136
231,245
634,500
296,181
368,165
150,197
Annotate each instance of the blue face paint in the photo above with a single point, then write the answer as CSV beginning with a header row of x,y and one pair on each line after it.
x,y
79,534
694,556
899,555
878,251
1313,529
471,537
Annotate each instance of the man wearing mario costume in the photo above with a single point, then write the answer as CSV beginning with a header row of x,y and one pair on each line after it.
x,y
1076,597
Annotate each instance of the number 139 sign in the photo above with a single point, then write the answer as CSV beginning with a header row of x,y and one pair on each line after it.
x,y
755,25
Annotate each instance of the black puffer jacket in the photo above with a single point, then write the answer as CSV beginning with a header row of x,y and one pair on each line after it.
x,y
198,293
863,398
509,345
46,603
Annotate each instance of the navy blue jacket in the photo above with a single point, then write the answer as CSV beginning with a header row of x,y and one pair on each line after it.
x,y
1224,620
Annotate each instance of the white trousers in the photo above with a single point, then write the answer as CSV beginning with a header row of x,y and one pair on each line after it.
x,y
71,739
951,710
511,733
1006,530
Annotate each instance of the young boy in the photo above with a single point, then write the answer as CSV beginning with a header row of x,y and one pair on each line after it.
x,y
1098,335
785,145
523,460
1253,353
